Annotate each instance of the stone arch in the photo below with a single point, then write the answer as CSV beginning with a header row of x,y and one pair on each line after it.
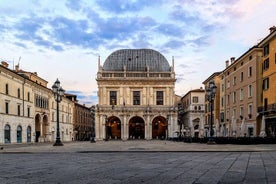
x,y
195,127
7,133
19,134
45,125
41,127
159,127
136,128
114,127
37,127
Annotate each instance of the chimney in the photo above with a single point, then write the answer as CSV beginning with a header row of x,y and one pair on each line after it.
x,y
227,63
271,29
5,64
16,68
232,59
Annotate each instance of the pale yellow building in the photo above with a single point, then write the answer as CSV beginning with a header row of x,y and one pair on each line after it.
x,y
136,96
215,106
28,109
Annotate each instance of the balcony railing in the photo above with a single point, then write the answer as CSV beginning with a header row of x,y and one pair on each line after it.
x,y
267,109
135,75
137,108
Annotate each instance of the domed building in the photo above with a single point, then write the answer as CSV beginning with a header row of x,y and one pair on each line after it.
x,y
136,96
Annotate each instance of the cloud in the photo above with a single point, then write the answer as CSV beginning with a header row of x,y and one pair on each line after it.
x,y
122,6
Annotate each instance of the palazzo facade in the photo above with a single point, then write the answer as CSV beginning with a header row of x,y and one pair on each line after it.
x,y
136,96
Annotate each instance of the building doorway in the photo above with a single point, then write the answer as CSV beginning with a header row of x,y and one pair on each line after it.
x,y
7,134
114,128
159,128
136,128
37,127
29,134
19,134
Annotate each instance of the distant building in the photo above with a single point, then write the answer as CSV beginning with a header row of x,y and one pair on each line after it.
x,y
136,96
193,104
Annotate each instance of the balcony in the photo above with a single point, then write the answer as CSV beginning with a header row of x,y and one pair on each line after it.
x,y
271,108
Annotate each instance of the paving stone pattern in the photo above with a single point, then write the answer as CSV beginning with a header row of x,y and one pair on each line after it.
x,y
138,167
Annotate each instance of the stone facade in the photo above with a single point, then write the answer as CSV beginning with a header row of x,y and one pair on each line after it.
x,y
136,96
28,109
193,104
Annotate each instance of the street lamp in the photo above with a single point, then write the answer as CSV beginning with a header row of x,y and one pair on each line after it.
x,y
180,117
210,96
58,93
92,138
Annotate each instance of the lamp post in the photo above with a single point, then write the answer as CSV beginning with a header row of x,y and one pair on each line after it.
x,y
180,116
92,138
58,93
210,96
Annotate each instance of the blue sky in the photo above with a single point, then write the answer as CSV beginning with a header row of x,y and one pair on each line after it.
x,y
63,39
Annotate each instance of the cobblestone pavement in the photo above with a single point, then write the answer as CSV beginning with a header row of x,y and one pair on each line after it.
x,y
137,162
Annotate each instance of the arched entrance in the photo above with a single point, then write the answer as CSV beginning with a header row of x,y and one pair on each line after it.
x,y
114,128
37,127
41,128
136,128
7,134
29,133
19,134
159,127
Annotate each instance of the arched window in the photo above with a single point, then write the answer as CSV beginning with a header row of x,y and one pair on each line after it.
x,y
7,134
19,134
29,133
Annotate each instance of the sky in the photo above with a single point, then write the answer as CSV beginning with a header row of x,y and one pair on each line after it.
x,y
63,39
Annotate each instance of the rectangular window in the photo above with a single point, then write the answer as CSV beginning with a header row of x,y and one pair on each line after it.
x,y
7,107
221,117
241,112
195,99
249,91
113,98
136,97
234,113
234,80
241,76
222,87
241,94
7,89
18,93
222,101
234,97
28,112
266,64
228,84
228,99
28,96
250,71
159,98
18,110
266,50
266,84
250,110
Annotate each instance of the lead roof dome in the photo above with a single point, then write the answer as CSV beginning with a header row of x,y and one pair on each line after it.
x,y
136,60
